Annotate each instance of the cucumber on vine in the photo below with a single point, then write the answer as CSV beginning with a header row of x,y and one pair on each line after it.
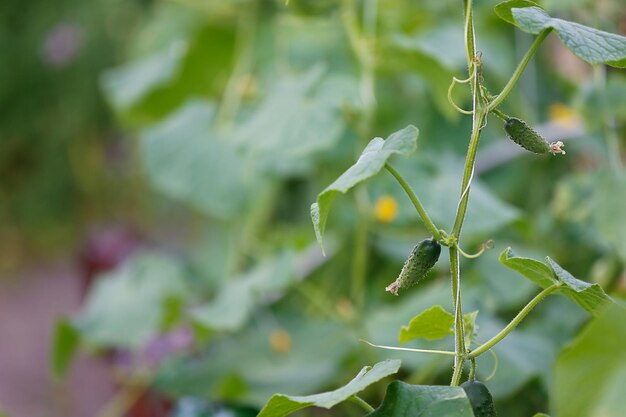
x,y
525,136
480,398
421,260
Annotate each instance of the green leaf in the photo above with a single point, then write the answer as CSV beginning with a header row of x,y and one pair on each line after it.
x,y
186,160
281,405
235,302
608,214
65,341
541,415
403,400
596,360
535,271
127,85
317,350
194,64
589,296
371,161
285,131
503,10
432,324
521,357
591,45
470,327
126,307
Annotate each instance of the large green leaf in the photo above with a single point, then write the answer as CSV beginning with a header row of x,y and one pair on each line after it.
x,y
234,303
194,64
589,296
590,374
300,117
432,324
371,161
65,341
126,307
609,204
535,271
403,400
129,84
591,45
308,365
281,405
185,159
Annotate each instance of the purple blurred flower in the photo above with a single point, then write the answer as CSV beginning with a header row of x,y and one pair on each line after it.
x,y
61,44
164,345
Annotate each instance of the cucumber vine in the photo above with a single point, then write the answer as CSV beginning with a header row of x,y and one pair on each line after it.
x,y
529,17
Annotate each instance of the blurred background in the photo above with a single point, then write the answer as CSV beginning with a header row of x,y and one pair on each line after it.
x,y
157,163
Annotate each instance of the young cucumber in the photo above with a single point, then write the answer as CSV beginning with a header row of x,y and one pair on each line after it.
x,y
525,136
422,258
480,399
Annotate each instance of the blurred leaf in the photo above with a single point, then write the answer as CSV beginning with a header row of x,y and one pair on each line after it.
x,y
371,161
300,117
194,65
436,179
281,405
317,351
541,415
610,204
65,341
432,324
535,271
125,308
591,297
591,45
127,85
186,160
596,361
521,355
235,302
425,401
470,327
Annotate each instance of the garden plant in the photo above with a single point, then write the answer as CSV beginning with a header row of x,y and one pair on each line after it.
x,y
253,106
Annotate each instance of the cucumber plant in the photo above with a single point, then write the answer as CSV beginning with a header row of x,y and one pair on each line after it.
x,y
470,398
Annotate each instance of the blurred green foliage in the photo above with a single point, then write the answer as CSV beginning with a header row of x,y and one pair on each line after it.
x,y
241,112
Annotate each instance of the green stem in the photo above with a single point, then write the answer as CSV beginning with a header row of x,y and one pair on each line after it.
x,y
478,116
459,337
359,257
501,115
514,323
470,47
519,70
468,172
359,42
246,30
416,202
362,403
608,125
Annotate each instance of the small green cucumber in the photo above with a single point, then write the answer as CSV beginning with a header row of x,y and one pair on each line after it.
x,y
525,136
480,399
421,260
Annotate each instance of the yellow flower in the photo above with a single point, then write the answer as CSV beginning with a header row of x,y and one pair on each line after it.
x,y
564,116
386,209
280,341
